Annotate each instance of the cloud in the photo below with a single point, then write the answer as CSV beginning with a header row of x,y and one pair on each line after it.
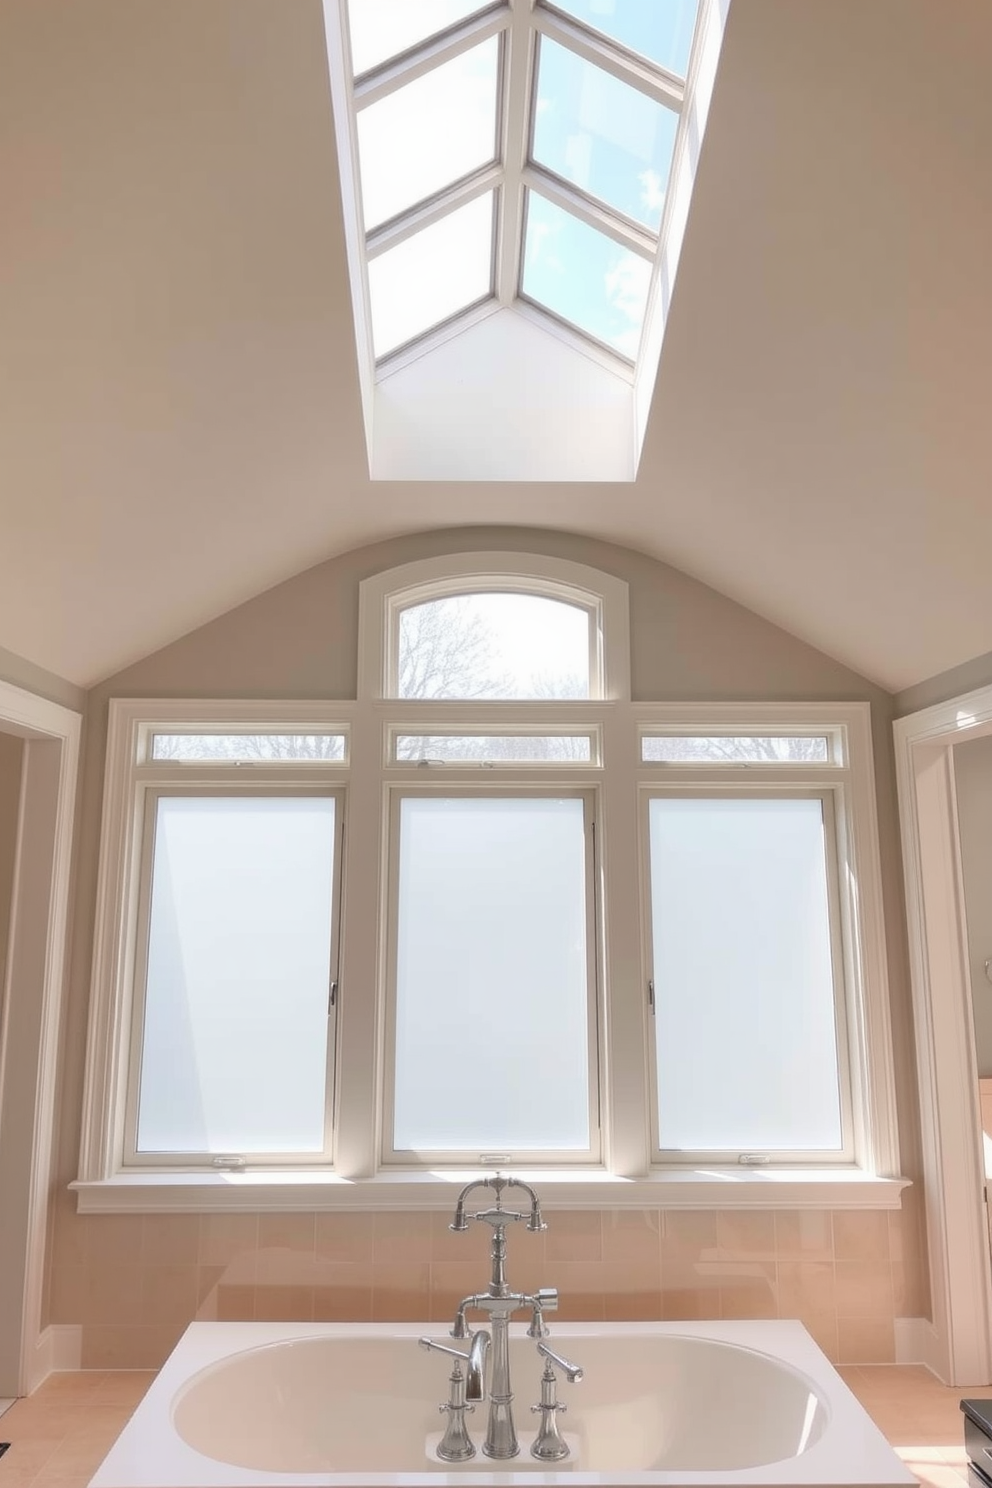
x,y
652,192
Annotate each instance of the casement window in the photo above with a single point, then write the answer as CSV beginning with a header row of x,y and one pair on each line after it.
x,y
489,912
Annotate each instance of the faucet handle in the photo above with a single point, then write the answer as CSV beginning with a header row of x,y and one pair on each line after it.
x,y
545,1299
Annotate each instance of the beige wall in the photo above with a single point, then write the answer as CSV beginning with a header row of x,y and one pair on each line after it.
x,y
11,760
120,1275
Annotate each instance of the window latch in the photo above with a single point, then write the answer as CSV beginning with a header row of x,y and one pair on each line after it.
x,y
332,996
651,994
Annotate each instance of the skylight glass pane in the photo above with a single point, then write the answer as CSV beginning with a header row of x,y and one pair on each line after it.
x,y
584,276
660,30
381,29
612,141
428,134
493,646
432,275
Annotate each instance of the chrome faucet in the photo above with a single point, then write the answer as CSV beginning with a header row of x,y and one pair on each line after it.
x,y
501,1303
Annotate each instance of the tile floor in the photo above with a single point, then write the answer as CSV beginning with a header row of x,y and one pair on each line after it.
x,y
61,1434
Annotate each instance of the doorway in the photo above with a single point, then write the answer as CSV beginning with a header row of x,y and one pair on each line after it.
x,y
39,745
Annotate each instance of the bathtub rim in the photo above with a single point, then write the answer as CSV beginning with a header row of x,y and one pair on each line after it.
x,y
150,1453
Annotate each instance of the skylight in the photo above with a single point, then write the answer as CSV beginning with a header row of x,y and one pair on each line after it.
x,y
515,154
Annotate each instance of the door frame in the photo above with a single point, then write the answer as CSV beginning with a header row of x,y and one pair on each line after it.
x,y
947,1069
31,1016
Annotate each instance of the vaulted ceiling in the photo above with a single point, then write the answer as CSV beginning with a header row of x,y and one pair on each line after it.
x,y
179,408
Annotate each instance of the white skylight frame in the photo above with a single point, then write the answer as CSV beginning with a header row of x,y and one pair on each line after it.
x,y
519,25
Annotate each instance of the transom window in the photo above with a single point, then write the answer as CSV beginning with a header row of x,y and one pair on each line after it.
x,y
515,153
491,911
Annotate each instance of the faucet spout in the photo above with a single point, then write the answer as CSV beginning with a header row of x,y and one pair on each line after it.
x,y
475,1372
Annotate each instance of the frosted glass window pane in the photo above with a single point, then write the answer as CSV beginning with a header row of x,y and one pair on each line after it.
x,y
723,749
493,646
267,748
491,981
613,141
744,999
234,1052
428,134
495,748
660,30
583,276
381,29
432,275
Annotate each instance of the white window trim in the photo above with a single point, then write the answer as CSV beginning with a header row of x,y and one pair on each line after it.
x,y
625,1177
381,597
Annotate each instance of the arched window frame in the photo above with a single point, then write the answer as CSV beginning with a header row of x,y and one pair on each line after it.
x,y
384,596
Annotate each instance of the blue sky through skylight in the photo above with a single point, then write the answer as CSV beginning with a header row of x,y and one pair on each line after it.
x,y
659,29
613,141
584,276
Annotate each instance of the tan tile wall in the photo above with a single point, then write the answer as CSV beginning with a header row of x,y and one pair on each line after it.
x,y
135,1281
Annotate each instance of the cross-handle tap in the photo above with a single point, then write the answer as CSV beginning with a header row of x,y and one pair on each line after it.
x,y
549,1445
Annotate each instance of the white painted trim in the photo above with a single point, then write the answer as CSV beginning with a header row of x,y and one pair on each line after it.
x,y
39,720
357,1180
594,1188
459,573
59,1347
917,1343
953,1169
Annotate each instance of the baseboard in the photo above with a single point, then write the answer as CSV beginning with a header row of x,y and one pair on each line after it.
x,y
917,1343
60,1346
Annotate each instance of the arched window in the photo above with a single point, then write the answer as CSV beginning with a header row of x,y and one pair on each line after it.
x,y
507,627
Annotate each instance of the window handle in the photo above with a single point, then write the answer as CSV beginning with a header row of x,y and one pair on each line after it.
x,y
651,994
332,996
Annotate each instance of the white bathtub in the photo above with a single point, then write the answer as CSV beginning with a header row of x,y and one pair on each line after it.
x,y
242,1405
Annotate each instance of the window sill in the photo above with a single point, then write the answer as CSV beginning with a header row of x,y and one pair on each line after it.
x,y
668,1188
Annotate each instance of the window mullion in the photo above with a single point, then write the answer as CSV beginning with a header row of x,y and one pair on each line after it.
x,y
516,103
638,240
358,1006
399,71
662,86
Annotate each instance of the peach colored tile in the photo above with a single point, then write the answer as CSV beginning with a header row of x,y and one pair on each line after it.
x,y
224,1236
401,1292
207,1282
465,1245
169,1294
865,1340
580,1291
69,1292
286,1232
235,1304
691,1230
450,1281
804,1234
806,1289
402,1236
863,1289
344,1237
71,1237
574,1235
114,1239
343,1292
690,1304
748,1299
277,1304
746,1232
119,1346
632,1306
631,1235
113,1295
280,1266
170,1239
861,1235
